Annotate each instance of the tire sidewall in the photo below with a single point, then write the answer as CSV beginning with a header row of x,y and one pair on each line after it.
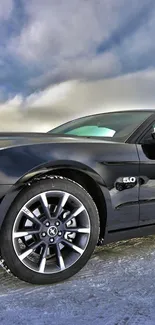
x,y
7,249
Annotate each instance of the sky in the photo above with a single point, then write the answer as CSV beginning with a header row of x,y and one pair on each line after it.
x,y
61,59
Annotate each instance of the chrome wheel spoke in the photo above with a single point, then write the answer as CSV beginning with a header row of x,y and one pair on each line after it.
x,y
45,205
78,230
59,257
61,204
74,214
74,247
51,232
24,233
31,216
43,259
29,251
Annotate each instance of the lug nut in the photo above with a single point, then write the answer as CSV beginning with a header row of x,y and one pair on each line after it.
x,y
51,240
59,233
47,224
57,223
43,234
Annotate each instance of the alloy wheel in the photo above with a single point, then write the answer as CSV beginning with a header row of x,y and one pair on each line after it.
x,y
51,232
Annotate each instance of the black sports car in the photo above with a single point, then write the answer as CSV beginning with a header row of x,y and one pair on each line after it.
x,y
90,181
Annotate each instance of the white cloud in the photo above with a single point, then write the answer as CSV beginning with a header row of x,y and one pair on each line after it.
x,y
50,96
6,7
64,28
95,67
140,43
45,109
61,38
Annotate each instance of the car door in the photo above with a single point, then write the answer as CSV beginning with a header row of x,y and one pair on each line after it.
x,y
146,151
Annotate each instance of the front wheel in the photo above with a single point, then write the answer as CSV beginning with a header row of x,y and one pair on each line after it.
x,y
50,231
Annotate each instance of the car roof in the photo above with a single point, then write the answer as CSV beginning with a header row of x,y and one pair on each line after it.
x,y
134,110
151,110
117,111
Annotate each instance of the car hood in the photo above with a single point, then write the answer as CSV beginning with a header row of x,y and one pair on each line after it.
x,y
11,139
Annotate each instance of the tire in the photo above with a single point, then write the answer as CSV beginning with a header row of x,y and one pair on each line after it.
x,y
39,208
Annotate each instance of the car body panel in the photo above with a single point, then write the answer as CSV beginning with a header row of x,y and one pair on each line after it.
x,y
111,164
106,162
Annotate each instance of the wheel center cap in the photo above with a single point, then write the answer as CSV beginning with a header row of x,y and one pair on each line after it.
x,y
52,231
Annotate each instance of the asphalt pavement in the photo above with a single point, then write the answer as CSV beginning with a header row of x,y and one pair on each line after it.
x,y
117,287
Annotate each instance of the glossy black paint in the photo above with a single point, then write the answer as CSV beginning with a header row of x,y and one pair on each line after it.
x,y
111,165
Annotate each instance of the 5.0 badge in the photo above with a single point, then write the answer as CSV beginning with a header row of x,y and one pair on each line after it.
x,y
127,180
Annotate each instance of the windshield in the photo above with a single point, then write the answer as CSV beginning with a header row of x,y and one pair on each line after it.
x,y
117,125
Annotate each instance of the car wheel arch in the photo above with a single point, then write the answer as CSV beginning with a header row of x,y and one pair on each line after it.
x,y
86,179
